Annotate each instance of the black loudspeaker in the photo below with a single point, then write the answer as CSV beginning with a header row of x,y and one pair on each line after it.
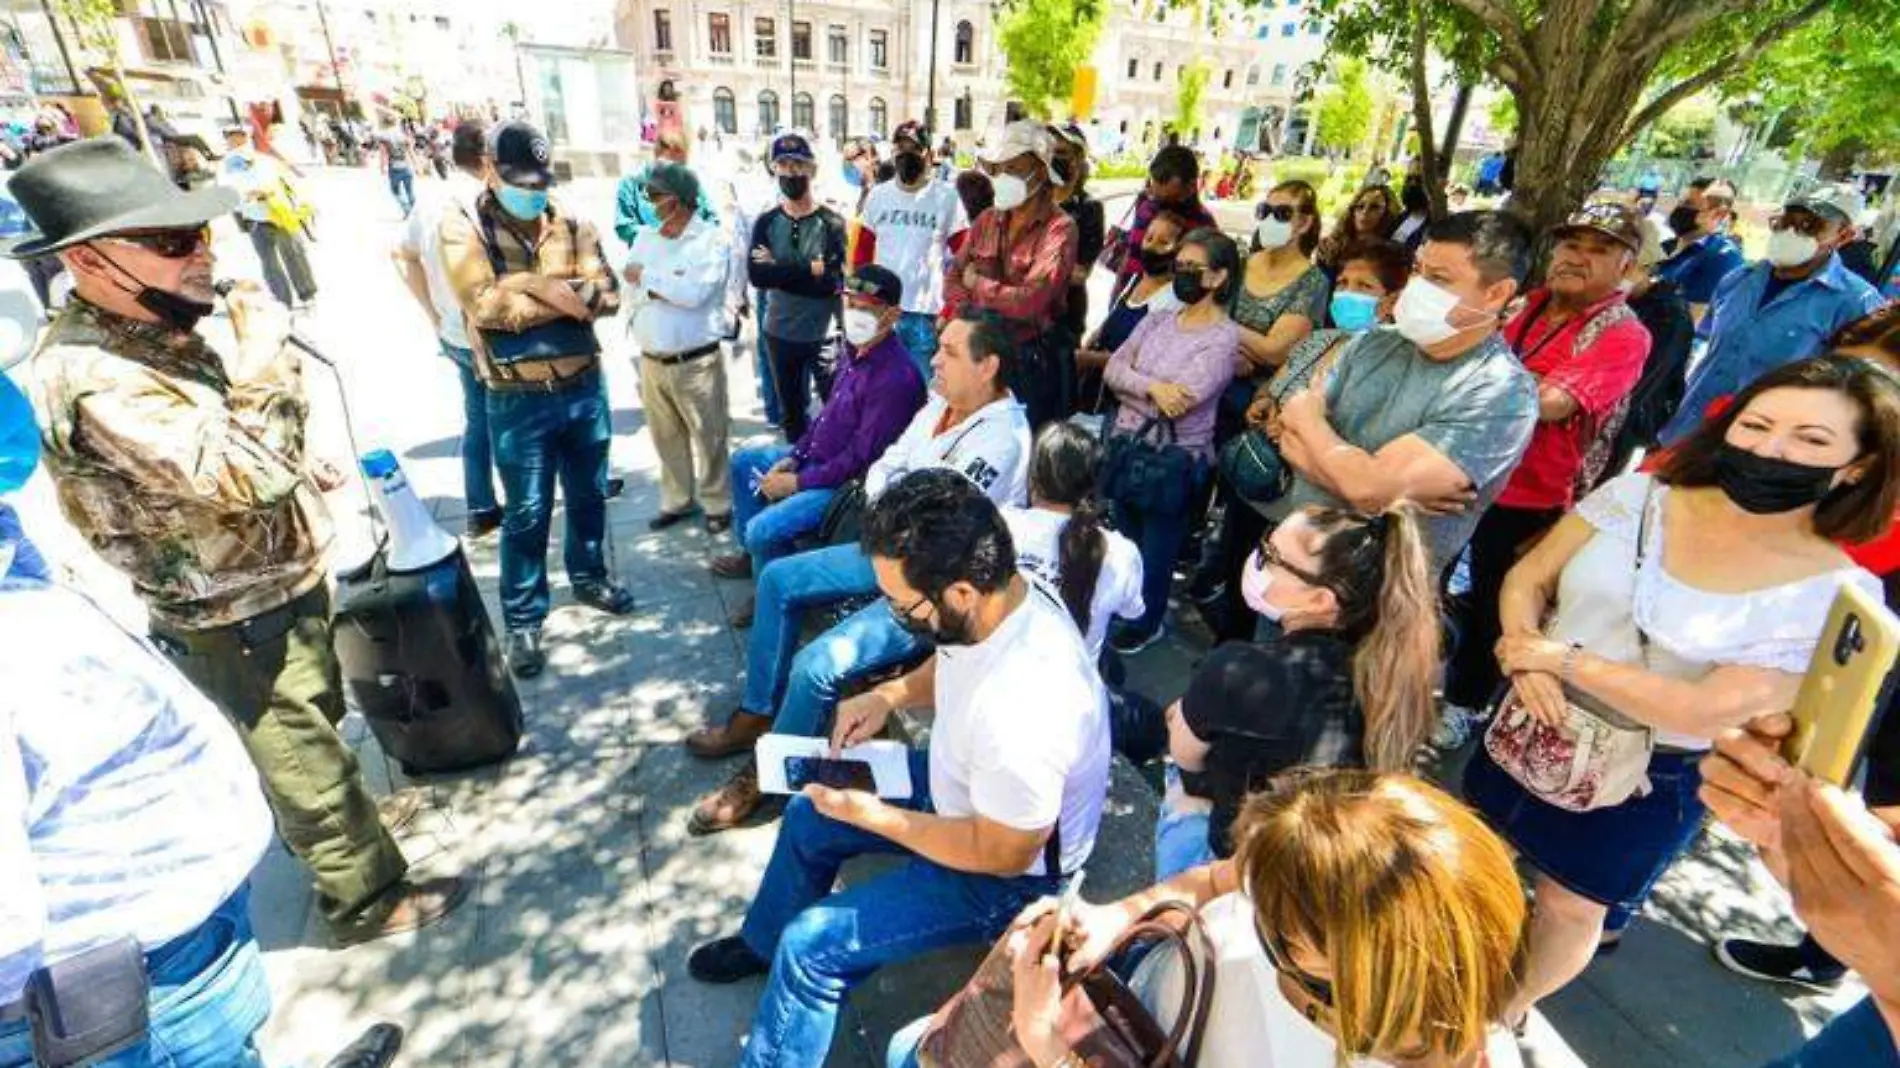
x,y
421,663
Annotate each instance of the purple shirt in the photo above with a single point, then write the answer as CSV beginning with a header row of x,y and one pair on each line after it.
x,y
1201,360
873,399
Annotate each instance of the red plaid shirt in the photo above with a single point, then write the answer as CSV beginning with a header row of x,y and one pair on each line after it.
x,y
1027,282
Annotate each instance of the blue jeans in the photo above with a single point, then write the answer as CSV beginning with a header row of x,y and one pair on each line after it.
x,y
821,944
1159,537
1180,836
1858,1037
918,332
767,529
208,998
867,641
539,437
768,391
786,587
478,455
402,186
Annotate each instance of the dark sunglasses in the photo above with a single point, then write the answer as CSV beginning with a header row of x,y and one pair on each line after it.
x,y
1800,221
170,244
1312,986
1282,212
1265,555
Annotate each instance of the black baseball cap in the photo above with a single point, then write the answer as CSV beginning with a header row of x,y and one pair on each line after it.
x,y
912,131
876,283
521,155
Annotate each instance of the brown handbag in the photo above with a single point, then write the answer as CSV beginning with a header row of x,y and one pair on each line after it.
x,y
1102,1021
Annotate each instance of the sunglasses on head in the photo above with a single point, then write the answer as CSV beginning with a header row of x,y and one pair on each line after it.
x,y
170,244
1800,220
1282,212
1266,555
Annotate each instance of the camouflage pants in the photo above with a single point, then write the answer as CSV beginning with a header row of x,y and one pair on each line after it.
x,y
284,693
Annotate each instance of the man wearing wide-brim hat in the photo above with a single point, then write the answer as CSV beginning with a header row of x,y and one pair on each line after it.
x,y
186,469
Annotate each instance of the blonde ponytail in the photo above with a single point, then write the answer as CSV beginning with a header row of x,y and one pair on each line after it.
x,y
1395,666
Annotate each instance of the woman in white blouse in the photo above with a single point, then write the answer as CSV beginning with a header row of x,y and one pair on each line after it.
x,y
1738,566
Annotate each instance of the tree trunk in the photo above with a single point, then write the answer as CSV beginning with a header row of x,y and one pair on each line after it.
x,y
1454,128
1837,165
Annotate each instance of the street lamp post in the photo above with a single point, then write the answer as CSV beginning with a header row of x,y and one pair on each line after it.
x,y
791,54
329,44
930,97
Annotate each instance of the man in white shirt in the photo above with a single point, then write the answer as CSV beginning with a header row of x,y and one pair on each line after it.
x,y
1004,806
911,224
418,256
676,286
256,178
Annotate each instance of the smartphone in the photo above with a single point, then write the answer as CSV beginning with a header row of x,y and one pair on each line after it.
x,y
803,771
1843,689
1065,908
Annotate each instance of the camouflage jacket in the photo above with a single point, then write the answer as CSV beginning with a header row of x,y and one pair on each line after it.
x,y
189,482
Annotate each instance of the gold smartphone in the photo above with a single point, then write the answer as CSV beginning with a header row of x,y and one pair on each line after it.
x,y
1842,691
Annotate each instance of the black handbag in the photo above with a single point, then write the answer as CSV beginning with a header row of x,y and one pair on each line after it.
x,y
844,515
548,341
90,1006
1254,470
1147,470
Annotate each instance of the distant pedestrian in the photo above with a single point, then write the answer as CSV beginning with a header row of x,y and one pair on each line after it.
x,y
797,257
398,154
257,179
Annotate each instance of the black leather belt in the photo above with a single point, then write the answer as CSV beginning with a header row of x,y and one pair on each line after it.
x,y
668,359
254,633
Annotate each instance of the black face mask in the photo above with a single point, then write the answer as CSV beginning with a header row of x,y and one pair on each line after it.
x,y
1682,220
794,186
1156,262
1190,287
1767,485
179,313
910,167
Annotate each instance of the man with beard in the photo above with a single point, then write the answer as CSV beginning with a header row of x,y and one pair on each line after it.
x,y
911,225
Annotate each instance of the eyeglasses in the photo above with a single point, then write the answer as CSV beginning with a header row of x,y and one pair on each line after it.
x,y
1265,555
1282,212
903,612
169,244
1311,985
1800,220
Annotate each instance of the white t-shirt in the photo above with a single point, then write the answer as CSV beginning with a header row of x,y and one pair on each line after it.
x,y
1021,735
990,448
912,231
421,236
1038,537
1251,1023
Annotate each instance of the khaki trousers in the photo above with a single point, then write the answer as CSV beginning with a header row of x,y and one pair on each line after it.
x,y
687,412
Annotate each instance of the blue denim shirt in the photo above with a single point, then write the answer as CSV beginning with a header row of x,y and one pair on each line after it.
x,y
1698,269
1748,339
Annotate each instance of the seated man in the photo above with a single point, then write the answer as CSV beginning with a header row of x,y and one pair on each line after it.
x,y
1437,410
1003,807
780,493
971,425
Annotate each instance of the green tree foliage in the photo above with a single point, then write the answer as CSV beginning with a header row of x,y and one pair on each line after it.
x,y
96,31
1188,94
1684,129
1503,115
1044,42
1832,81
1343,110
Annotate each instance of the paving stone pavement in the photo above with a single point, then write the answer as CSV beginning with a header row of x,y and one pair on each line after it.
x,y
589,891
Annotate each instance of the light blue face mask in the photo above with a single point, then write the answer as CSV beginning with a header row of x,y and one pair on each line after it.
x,y
523,204
1355,311
19,438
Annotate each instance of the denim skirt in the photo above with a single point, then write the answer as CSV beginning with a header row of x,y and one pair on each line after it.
x,y
1610,855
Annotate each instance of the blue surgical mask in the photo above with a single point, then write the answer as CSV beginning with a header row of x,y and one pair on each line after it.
x,y
523,204
19,437
1355,311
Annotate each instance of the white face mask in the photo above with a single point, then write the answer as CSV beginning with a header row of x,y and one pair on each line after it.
x,y
860,326
1010,190
1423,313
1272,233
1787,248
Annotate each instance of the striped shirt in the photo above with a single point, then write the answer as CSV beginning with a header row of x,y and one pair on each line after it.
x,y
127,804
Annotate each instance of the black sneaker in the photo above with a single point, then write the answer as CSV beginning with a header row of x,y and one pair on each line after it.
x,y
1128,640
1774,963
725,960
482,524
525,657
605,596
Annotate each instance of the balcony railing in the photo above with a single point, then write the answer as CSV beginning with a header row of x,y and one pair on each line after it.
x,y
765,62
719,59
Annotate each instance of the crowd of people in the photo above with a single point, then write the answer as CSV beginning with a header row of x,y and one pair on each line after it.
x,y
1580,479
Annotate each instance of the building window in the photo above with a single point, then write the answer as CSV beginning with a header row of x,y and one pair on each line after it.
x,y
879,116
966,43
1288,29
1279,74
840,49
1312,29
880,54
662,31
725,111
1253,76
840,117
719,34
166,40
442,23
768,112
965,112
802,112
1134,68
1227,80
801,40
764,38
1157,70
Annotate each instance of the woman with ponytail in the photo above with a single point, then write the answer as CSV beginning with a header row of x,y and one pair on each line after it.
x,y
1061,541
1347,682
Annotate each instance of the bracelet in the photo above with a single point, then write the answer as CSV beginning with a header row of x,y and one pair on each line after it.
x,y
1567,671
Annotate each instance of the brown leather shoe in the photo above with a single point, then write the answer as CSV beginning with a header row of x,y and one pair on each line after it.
x,y
741,615
728,806
731,566
737,736
417,905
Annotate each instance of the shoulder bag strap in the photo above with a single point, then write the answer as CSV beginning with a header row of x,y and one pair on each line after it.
x,y
1651,502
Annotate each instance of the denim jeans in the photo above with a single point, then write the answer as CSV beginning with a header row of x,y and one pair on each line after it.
x,y
208,998
918,332
768,391
867,641
786,587
478,454
1159,537
821,944
1180,832
767,529
793,367
539,437
1857,1037
402,186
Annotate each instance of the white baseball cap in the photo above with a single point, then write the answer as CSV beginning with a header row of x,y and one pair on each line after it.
x,y
1024,138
